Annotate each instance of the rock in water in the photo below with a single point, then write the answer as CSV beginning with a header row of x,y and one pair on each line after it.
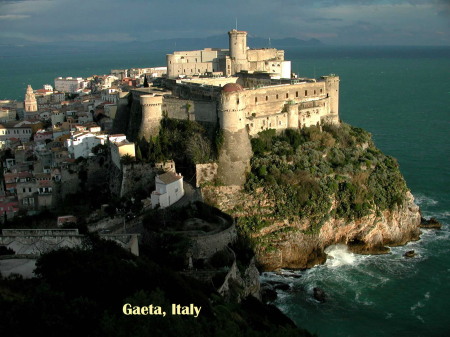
x,y
268,294
431,223
410,253
319,294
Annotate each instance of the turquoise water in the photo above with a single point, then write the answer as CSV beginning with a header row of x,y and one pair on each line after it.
x,y
400,95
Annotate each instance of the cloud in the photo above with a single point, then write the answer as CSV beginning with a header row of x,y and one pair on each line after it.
x,y
107,37
333,21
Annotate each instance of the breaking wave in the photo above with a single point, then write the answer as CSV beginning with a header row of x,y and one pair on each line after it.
x,y
423,200
338,255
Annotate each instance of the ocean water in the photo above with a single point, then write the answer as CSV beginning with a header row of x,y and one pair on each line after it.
x,y
402,96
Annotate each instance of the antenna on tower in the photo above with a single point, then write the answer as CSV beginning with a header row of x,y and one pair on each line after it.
x,y
236,23
270,45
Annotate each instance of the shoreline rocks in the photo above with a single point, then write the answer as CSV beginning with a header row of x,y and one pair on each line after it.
x,y
319,295
431,223
410,254
369,235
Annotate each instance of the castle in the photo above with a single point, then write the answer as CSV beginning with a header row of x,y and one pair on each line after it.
x,y
243,91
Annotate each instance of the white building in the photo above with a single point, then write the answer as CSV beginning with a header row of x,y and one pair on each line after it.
x,y
70,84
169,189
80,144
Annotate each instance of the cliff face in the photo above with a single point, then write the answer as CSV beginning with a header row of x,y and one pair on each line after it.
x,y
289,244
368,235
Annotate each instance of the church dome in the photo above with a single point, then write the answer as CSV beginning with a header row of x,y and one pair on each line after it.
x,y
232,87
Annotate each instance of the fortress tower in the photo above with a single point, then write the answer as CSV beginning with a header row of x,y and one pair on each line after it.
x,y
332,90
236,151
151,115
30,100
238,50
293,121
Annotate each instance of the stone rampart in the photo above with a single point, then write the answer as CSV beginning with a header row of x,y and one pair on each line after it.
x,y
39,232
206,245
33,243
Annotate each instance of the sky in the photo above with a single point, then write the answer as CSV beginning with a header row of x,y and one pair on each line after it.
x,y
334,22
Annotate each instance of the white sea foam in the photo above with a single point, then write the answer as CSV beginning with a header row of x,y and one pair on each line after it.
x,y
417,305
423,200
338,255
420,304
359,300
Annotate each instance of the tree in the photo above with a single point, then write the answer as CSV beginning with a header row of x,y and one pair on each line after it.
x,y
127,159
138,153
145,82
198,149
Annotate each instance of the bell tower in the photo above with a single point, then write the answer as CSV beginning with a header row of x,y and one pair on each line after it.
x,y
30,100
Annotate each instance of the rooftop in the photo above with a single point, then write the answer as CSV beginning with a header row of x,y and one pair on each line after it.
x,y
169,177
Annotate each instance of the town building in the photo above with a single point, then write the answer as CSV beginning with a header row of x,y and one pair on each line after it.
x,y
80,144
120,147
70,85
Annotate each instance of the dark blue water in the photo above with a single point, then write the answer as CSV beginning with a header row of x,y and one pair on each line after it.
x,y
402,96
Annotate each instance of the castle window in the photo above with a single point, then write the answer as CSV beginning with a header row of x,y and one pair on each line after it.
x,y
306,92
237,101
287,95
267,98
256,99
296,94
277,96
321,90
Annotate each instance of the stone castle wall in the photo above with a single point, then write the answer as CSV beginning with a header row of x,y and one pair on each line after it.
x,y
206,245
205,173
137,176
200,111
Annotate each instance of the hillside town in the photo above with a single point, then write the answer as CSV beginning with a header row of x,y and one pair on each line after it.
x,y
45,136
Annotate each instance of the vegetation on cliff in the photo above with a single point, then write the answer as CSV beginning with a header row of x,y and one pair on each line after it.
x,y
311,174
186,142
81,292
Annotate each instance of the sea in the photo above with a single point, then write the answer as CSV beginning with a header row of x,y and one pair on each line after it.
x,y
399,94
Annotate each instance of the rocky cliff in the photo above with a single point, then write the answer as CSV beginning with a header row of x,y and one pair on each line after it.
x,y
368,235
291,244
